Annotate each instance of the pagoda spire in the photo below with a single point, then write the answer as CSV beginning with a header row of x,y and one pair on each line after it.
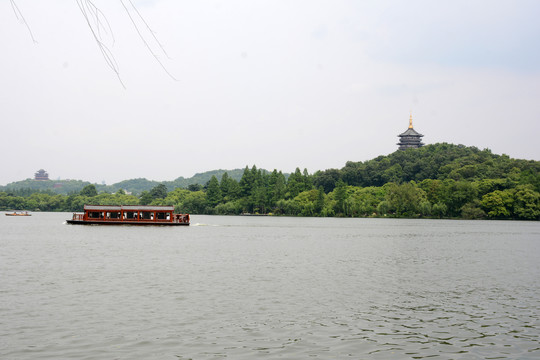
x,y
410,138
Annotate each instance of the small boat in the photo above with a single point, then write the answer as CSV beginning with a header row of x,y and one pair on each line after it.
x,y
129,215
19,213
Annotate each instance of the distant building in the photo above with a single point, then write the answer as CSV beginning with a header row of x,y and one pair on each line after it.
x,y
41,175
410,138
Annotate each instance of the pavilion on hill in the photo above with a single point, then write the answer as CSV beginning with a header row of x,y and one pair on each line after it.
x,y
410,138
41,175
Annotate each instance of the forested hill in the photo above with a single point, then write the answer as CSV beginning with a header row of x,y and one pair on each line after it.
x,y
437,161
135,186
435,181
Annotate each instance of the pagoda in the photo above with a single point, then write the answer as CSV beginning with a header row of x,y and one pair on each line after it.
x,y
410,138
41,175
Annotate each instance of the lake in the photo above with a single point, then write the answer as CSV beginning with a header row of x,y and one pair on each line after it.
x,y
269,288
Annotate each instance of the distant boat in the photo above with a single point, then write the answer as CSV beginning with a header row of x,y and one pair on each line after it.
x,y
128,215
19,213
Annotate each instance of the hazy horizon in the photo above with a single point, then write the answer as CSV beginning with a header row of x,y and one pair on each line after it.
x,y
150,179
279,85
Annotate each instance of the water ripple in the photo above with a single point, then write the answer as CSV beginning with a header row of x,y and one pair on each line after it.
x,y
270,288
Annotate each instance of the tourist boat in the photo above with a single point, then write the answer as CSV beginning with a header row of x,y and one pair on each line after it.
x,y
20,213
129,215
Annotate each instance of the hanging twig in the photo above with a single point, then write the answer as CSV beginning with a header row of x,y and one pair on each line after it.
x,y
97,15
149,29
19,16
144,40
93,17
100,28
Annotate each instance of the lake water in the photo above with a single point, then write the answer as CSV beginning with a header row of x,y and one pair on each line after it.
x,y
269,288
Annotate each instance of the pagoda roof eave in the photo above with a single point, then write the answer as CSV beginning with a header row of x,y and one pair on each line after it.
x,y
410,132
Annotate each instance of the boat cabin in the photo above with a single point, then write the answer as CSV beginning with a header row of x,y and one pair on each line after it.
x,y
129,214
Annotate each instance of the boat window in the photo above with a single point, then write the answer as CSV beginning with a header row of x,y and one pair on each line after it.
x,y
95,215
130,215
113,215
163,215
147,215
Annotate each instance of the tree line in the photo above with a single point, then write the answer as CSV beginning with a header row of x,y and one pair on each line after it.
x,y
435,181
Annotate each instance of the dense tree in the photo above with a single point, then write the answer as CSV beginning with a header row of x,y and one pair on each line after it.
x,y
89,190
224,186
146,198
194,202
472,210
328,178
439,210
364,201
159,192
233,191
526,203
277,186
405,199
319,201
213,192
340,195
498,204
259,199
298,182
229,208
194,187
247,181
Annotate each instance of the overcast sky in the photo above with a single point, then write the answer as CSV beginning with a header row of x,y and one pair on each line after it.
x,y
276,84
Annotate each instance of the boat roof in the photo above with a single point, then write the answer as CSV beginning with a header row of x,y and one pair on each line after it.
x,y
129,207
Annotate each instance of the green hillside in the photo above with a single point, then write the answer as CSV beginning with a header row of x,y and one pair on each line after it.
x,y
437,162
434,181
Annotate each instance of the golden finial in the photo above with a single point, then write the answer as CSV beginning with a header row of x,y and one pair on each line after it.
x,y
410,121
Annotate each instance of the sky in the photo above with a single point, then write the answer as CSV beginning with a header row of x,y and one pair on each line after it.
x,y
209,84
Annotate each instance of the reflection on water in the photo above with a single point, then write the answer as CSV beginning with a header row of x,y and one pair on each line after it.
x,y
264,287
